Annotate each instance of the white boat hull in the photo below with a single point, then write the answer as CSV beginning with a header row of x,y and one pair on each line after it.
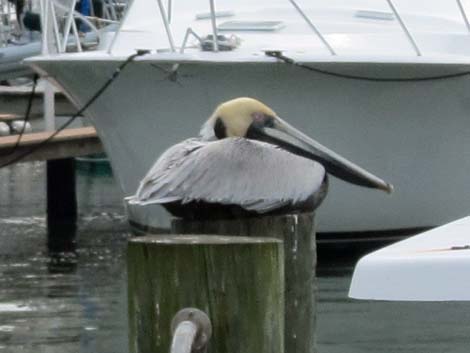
x,y
414,134
432,266
11,57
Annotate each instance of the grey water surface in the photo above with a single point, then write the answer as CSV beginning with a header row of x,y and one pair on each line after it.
x,y
73,299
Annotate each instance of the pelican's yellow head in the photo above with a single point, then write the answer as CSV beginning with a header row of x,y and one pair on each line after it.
x,y
234,117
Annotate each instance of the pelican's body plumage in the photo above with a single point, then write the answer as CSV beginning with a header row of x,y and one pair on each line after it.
x,y
247,161
232,177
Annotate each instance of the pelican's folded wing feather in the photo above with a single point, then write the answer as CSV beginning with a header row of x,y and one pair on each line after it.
x,y
254,175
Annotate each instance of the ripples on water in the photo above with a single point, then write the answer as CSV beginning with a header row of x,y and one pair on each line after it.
x,y
70,301
75,301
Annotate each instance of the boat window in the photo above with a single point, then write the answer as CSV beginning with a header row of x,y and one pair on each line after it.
x,y
218,14
265,26
375,15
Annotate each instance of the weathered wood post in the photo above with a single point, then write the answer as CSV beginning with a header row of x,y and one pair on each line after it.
x,y
237,281
61,191
297,231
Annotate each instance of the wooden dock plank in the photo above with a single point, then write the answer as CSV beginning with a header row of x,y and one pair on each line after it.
x,y
68,143
37,137
9,117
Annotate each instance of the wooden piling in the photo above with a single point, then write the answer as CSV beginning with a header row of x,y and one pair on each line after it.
x,y
61,194
297,231
237,281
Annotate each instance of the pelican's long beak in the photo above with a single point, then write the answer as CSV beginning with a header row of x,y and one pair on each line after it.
x,y
291,139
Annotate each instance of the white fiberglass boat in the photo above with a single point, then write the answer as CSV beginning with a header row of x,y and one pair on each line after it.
x,y
16,43
431,266
383,83
11,57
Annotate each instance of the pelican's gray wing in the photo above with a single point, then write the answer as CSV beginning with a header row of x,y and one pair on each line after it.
x,y
254,175
159,175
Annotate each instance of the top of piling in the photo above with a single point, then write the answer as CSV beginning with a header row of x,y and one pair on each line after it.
x,y
191,239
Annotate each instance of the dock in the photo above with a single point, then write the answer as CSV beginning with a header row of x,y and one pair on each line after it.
x,y
57,148
58,152
74,142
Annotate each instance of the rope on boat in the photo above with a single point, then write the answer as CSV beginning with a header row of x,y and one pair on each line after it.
x,y
278,55
98,93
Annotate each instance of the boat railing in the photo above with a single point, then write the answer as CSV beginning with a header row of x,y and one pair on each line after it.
x,y
464,14
166,18
7,13
112,10
167,14
405,29
66,29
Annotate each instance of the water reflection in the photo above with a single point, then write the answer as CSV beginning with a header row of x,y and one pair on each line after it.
x,y
22,190
62,245
64,303
62,285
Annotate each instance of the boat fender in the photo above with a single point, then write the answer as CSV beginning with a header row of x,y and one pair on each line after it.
x,y
17,126
4,129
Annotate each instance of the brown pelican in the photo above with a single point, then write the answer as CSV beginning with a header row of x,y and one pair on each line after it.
x,y
247,161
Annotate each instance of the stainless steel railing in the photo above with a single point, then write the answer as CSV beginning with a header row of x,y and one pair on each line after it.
x,y
59,22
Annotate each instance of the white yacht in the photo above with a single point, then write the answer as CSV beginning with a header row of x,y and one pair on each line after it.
x,y
385,83
16,43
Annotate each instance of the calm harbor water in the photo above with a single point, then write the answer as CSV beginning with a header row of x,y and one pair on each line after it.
x,y
75,300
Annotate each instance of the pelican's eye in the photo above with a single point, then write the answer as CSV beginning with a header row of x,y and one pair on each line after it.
x,y
269,122
262,120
